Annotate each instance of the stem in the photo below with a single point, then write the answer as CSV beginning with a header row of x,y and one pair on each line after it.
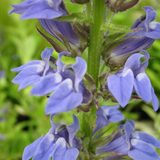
x,y
95,38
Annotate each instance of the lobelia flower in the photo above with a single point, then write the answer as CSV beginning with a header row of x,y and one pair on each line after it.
x,y
60,143
45,11
149,33
136,144
105,115
133,79
69,89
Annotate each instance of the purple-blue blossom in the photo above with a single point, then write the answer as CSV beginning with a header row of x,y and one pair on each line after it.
x,y
132,78
150,31
60,143
69,90
106,115
39,9
136,144
45,11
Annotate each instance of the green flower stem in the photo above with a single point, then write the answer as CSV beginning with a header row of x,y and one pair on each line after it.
x,y
95,38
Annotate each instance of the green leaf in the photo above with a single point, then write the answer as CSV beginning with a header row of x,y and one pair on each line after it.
x,y
107,103
90,117
112,37
115,28
78,17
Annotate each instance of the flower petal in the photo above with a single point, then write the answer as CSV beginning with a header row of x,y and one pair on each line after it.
x,y
73,129
146,138
133,62
142,151
118,145
102,120
27,72
44,146
142,86
71,154
60,150
47,53
121,87
35,62
155,101
30,149
46,85
59,63
79,68
63,99
41,10
29,81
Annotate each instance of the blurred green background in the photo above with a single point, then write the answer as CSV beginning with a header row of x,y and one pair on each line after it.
x,y
22,118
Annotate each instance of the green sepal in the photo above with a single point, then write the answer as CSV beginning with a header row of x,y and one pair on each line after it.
x,y
114,28
91,86
109,102
67,44
105,135
80,18
110,38
55,45
110,154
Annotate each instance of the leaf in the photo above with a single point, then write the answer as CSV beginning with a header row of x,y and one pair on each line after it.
x,y
112,37
90,117
80,17
115,28
107,103
55,45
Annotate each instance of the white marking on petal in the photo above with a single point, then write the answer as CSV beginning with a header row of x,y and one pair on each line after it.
x,y
41,66
126,72
153,25
106,111
69,82
50,3
140,76
50,137
133,142
135,135
62,141
58,78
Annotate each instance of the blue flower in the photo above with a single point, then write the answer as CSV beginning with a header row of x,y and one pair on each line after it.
x,y
133,79
60,143
136,144
105,115
35,70
45,11
39,9
69,89
147,35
